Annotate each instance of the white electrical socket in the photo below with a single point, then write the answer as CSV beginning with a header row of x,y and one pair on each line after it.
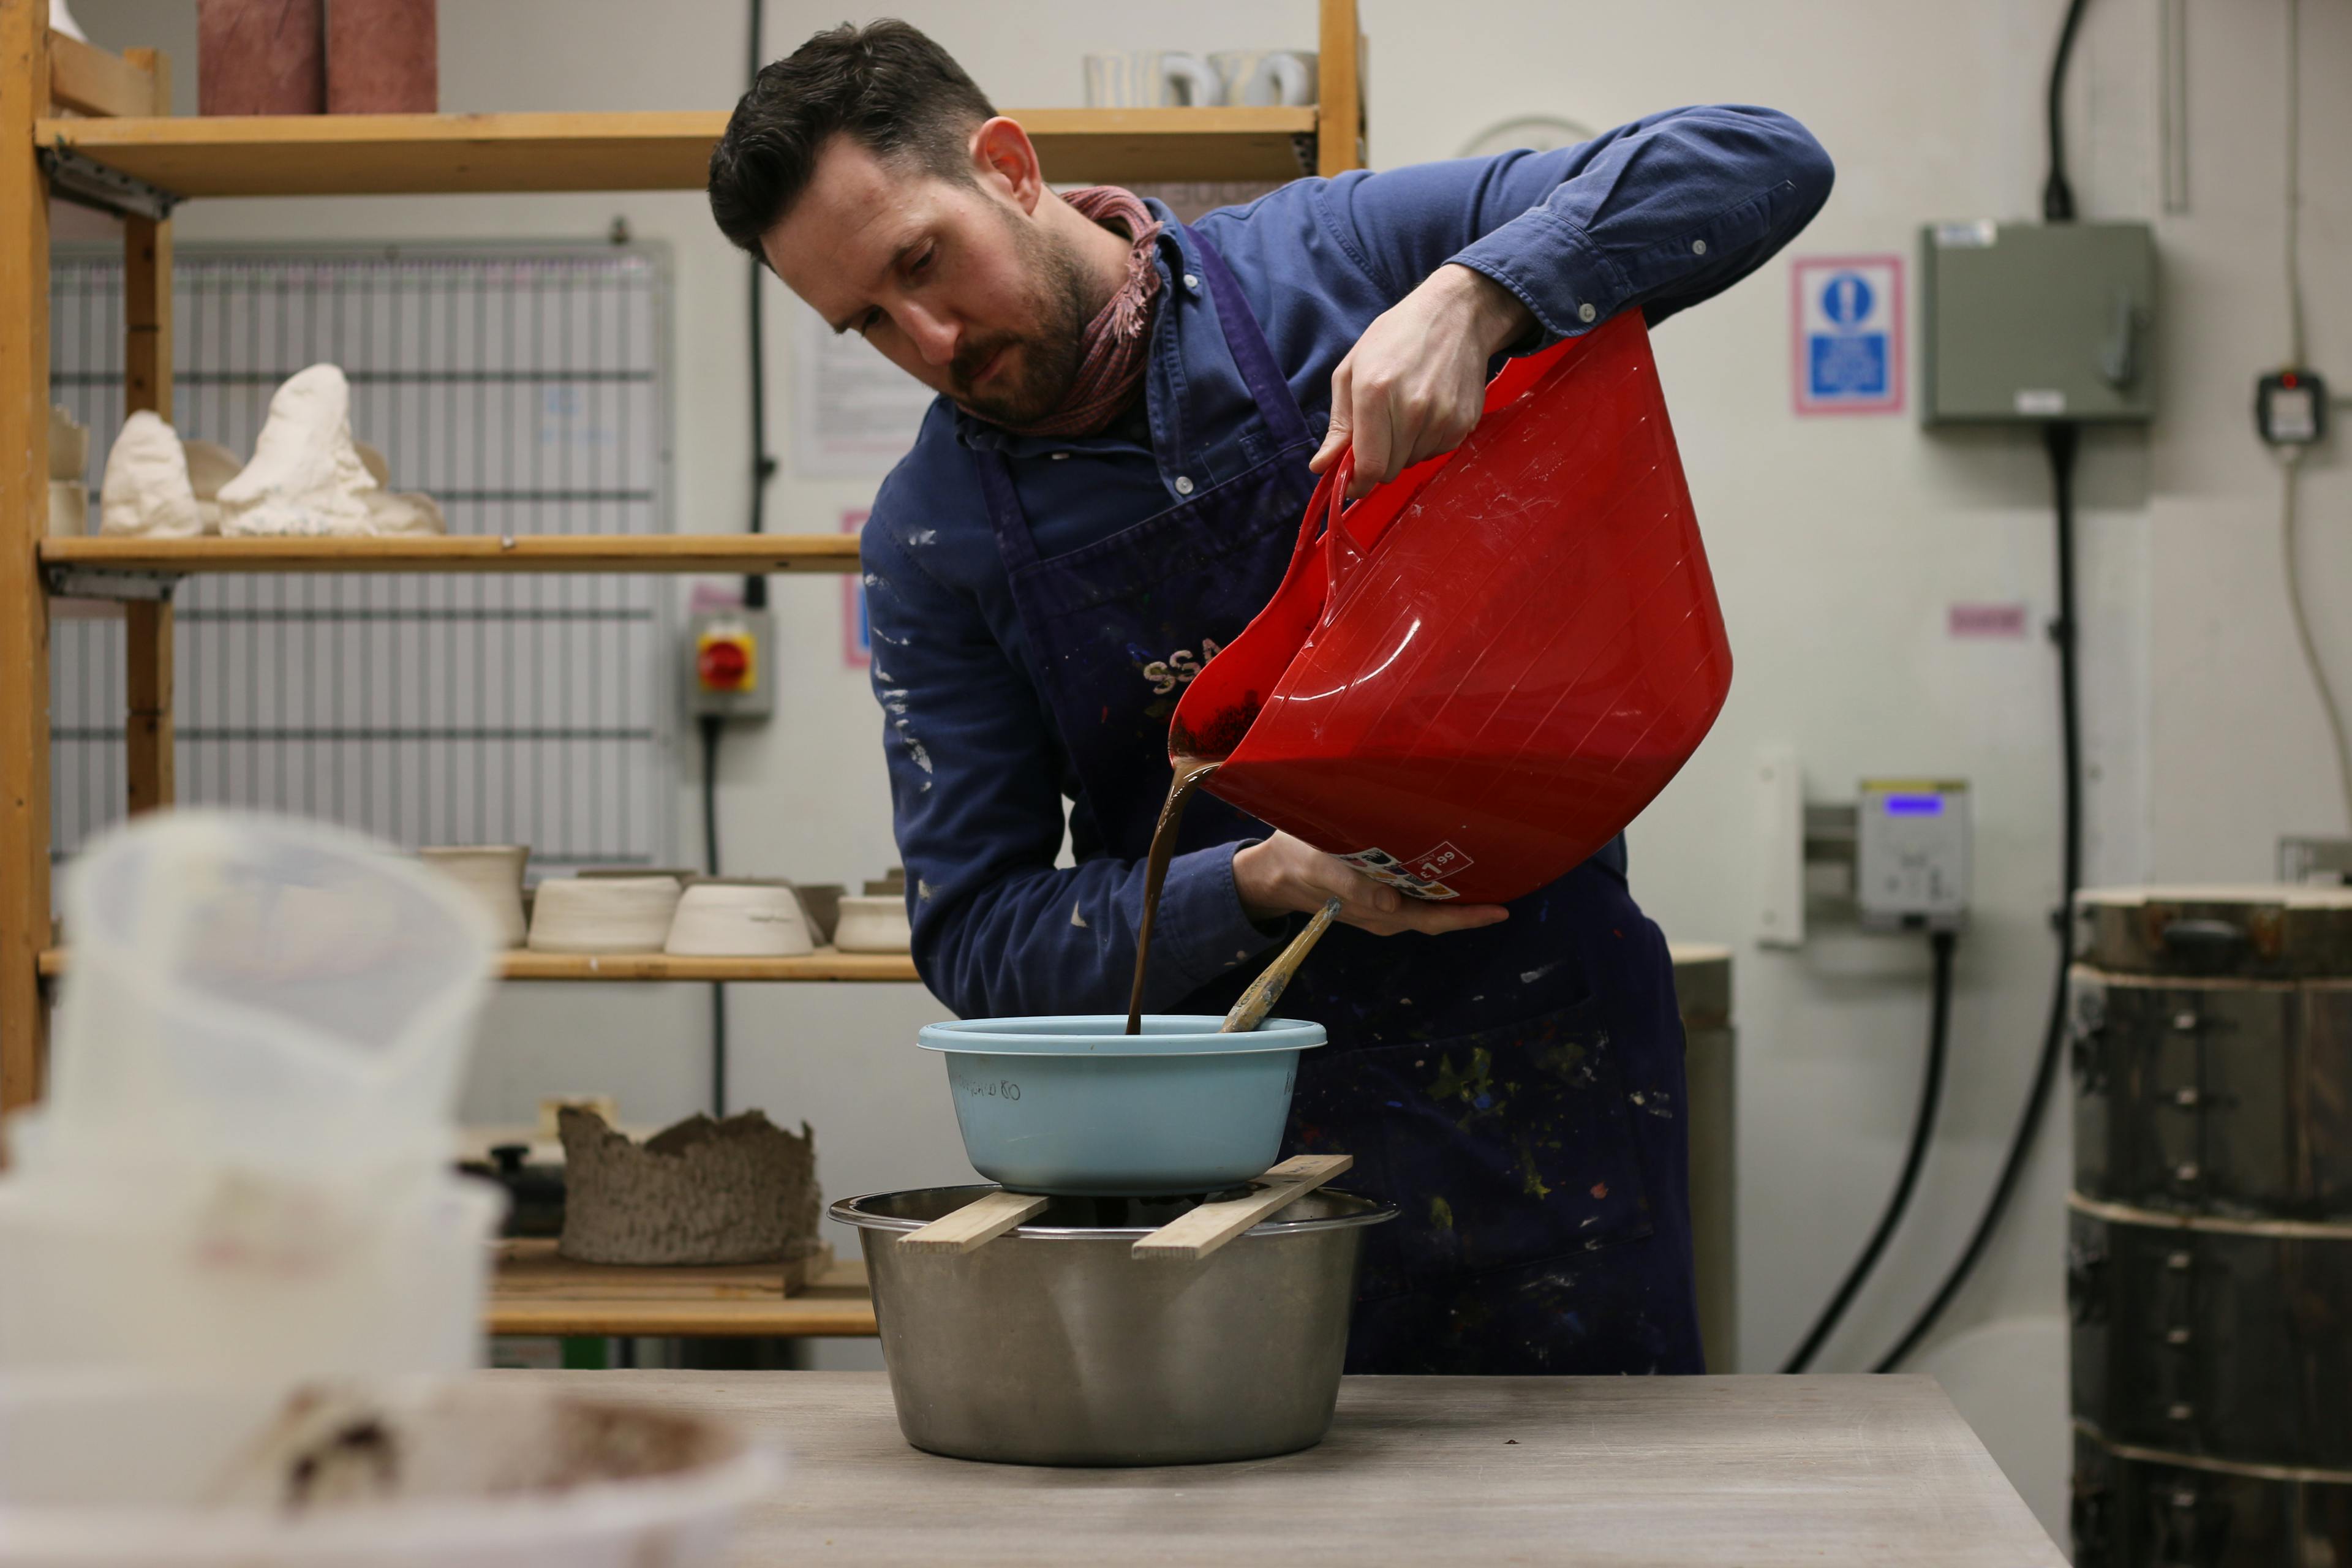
x,y
1780,839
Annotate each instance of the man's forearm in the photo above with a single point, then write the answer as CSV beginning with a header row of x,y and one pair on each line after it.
x,y
1499,318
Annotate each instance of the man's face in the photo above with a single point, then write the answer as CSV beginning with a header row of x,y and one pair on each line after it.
x,y
956,282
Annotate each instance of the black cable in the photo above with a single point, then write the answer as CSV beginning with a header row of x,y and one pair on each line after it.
x,y
2057,195
1923,1125
712,727
2059,440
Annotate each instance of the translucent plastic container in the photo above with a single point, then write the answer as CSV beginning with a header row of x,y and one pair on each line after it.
x,y
261,990
116,1470
242,1164
236,1274
1477,675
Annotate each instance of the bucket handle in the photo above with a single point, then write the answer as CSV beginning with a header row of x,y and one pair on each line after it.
x,y
1343,552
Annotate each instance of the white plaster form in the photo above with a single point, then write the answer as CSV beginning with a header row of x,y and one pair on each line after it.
x,y
307,475
146,492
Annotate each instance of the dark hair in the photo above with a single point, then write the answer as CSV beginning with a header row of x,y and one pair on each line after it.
x,y
887,85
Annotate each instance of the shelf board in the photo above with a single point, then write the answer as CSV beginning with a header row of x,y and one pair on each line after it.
x,y
392,155
826,965
721,552
534,1292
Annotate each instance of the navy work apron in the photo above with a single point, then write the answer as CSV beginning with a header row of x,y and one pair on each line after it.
x,y
1516,1090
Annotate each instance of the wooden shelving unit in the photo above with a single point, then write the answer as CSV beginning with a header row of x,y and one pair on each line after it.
x,y
99,121
828,964
724,552
410,154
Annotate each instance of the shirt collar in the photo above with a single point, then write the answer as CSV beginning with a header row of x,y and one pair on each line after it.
x,y
1173,257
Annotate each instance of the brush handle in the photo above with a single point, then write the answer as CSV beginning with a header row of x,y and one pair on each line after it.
x,y
1266,989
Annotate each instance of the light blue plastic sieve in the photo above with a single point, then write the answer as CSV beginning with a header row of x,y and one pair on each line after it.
x,y
1076,1106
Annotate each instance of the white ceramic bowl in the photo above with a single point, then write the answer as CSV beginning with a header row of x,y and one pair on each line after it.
x,y
492,873
109,1470
603,914
740,920
874,924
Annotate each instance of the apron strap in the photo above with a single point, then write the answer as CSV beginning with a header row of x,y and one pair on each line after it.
x,y
1014,543
1246,340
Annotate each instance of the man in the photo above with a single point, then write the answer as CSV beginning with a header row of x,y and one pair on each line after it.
x,y
1132,412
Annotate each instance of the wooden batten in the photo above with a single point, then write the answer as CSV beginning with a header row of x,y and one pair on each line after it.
x,y
23,519
1339,91
90,80
150,748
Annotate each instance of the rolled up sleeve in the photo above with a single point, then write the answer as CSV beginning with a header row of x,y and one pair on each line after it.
x,y
1657,215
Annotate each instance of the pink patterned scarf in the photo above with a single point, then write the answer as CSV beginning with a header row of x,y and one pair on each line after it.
x,y
1112,368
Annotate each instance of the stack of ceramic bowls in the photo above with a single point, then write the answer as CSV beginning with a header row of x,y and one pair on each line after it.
x,y
874,923
739,919
604,914
492,875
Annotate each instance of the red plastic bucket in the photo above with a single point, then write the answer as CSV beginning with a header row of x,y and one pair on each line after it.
x,y
1476,676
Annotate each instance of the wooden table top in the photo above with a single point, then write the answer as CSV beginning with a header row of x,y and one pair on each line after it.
x,y
1754,1472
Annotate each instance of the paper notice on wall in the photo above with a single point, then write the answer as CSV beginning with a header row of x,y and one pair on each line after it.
x,y
854,414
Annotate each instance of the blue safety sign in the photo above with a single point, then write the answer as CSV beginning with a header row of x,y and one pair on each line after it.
x,y
1847,316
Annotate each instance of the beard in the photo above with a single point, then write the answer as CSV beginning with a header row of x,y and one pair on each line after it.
x,y
1046,360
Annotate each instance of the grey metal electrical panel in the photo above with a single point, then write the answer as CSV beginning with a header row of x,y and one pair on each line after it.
x,y
2029,322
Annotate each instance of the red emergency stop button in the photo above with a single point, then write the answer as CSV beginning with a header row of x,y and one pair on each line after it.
x,y
724,663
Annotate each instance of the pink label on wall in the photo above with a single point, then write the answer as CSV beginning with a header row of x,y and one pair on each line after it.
x,y
1988,621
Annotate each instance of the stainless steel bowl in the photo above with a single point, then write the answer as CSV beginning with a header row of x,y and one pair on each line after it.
x,y
1051,1345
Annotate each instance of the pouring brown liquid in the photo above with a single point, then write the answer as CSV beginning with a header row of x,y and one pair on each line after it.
x,y
1189,772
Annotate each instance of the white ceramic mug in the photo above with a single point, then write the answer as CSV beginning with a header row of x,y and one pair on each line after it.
x,y
1263,78
1148,78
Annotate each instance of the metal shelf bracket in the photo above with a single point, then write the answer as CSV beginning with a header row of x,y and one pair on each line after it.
x,y
70,581
88,183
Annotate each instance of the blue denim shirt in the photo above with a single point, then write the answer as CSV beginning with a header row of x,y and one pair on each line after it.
x,y
1657,215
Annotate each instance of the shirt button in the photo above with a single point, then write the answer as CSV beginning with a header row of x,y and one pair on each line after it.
x,y
1190,281
1698,247
1183,485
1585,311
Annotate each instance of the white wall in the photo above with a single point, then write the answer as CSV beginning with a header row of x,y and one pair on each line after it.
x,y
1837,545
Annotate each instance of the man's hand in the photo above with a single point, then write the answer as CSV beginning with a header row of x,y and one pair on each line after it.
x,y
1415,382
1283,874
